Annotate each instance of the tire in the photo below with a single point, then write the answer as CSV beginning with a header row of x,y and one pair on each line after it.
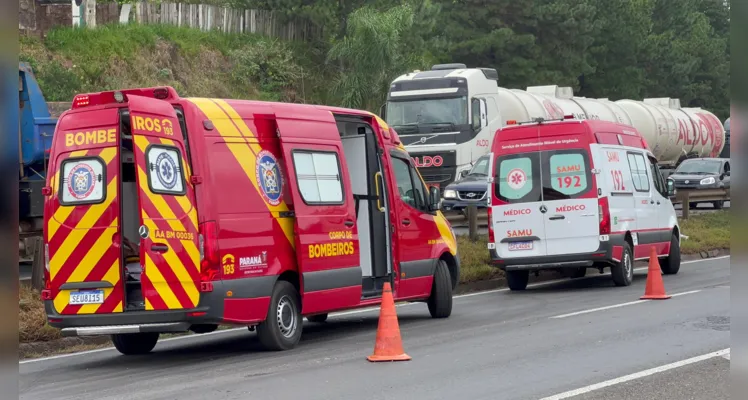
x,y
131,344
623,272
577,273
517,280
718,204
282,327
692,205
440,301
671,264
317,318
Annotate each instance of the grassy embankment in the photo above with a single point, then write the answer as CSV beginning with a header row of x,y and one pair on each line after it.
x,y
201,64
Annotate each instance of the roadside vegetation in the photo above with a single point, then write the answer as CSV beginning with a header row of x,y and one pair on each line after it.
x,y
706,232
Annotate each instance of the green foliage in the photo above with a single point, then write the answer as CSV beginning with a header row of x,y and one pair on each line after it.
x,y
268,65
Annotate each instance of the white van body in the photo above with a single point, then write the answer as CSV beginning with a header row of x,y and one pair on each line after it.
x,y
572,195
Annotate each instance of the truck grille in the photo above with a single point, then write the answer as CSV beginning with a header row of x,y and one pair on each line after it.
x,y
681,183
469,195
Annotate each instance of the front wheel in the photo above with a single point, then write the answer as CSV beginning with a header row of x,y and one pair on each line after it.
x,y
517,280
671,264
281,329
131,344
440,301
623,272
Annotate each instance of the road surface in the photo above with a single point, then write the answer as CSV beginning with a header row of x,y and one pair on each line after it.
x,y
551,339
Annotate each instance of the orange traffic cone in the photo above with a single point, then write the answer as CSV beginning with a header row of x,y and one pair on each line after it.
x,y
655,289
389,345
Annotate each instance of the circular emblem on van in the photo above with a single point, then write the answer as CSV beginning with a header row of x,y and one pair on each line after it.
x,y
516,179
81,181
166,170
269,177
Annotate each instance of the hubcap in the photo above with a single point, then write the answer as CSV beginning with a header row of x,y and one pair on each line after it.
x,y
627,265
287,317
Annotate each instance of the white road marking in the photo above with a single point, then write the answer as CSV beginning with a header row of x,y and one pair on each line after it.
x,y
340,314
638,375
591,310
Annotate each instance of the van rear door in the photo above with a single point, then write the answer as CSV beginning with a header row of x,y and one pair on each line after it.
x,y
516,206
82,215
168,231
569,195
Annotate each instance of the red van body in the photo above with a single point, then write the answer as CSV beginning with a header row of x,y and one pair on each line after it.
x,y
574,194
169,214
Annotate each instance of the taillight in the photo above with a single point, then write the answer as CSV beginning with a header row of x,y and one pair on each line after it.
x,y
210,260
603,210
490,223
81,100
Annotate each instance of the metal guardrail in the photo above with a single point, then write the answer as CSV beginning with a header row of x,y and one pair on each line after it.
x,y
687,196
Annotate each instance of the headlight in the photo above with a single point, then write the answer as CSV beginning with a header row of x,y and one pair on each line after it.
x,y
450,194
708,181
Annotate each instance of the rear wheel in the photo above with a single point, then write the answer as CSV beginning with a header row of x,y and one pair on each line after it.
x,y
517,280
692,205
281,329
440,301
131,344
623,272
671,264
718,204
317,318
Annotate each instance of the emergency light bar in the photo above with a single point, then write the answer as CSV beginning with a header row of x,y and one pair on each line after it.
x,y
120,96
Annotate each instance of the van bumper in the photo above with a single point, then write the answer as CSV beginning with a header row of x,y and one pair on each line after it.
x,y
604,254
209,311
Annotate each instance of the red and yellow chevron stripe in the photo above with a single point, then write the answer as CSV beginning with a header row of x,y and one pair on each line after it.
x,y
80,242
170,279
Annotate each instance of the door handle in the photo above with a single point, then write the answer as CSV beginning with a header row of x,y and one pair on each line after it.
x,y
406,222
348,223
556,217
159,248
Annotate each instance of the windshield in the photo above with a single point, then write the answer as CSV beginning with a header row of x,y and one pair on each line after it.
x,y
698,167
452,111
481,167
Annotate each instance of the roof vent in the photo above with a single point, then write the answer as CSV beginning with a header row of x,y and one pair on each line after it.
x,y
442,67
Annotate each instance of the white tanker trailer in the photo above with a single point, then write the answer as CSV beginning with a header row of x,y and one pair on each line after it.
x,y
447,117
672,133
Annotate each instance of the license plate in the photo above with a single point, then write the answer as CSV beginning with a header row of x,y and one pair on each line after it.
x,y
87,297
513,246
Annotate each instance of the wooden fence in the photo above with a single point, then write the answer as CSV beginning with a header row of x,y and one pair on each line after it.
x,y
39,16
211,17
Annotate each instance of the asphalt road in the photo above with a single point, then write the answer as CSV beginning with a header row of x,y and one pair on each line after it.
x,y
496,345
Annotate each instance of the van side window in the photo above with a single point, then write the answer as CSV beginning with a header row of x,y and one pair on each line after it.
x,y
404,179
639,175
318,176
518,178
165,170
82,181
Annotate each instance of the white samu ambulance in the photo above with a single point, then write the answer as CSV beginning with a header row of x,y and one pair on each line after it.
x,y
577,194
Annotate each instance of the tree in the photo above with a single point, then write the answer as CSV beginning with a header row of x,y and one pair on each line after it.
x,y
370,54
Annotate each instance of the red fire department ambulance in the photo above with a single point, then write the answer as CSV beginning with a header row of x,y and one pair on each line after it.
x,y
169,214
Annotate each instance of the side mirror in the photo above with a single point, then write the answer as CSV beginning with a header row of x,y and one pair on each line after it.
x,y
727,173
462,174
670,188
383,111
435,197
